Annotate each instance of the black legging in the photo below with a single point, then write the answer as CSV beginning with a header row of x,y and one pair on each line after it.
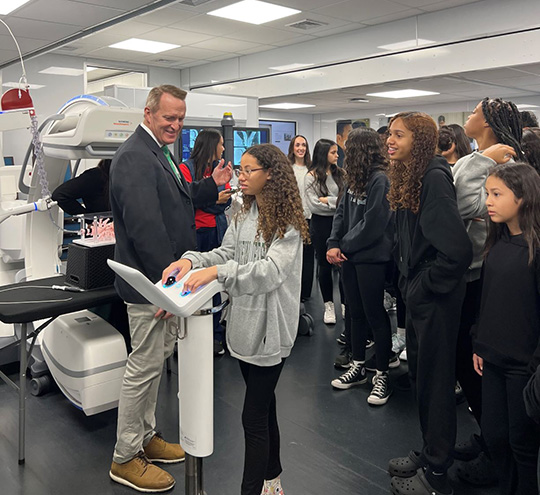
x,y
511,436
320,229
308,264
261,431
364,292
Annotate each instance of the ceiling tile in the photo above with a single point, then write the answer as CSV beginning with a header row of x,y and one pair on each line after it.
x,y
447,4
128,29
167,16
225,44
177,36
392,17
43,30
351,11
126,5
66,12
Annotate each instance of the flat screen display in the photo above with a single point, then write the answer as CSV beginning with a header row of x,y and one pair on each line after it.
x,y
187,139
244,137
8,160
282,132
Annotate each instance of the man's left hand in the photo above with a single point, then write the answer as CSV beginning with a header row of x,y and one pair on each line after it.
x,y
222,173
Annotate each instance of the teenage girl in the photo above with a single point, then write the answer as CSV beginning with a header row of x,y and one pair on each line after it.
x,y
260,264
453,143
506,340
495,124
300,159
210,221
361,242
324,185
433,252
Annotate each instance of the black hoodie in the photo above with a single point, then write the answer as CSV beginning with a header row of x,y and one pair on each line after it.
x,y
363,228
434,239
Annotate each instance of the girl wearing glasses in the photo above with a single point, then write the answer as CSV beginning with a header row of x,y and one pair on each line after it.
x,y
324,185
260,265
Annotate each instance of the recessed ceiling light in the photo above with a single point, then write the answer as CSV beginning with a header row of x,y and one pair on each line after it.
x,y
254,12
62,71
403,45
18,85
291,67
286,106
521,106
146,46
8,6
403,93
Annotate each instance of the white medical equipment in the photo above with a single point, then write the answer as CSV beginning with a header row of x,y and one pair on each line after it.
x,y
195,362
87,358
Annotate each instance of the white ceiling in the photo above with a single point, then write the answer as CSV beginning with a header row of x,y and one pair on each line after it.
x,y
207,39
507,82
203,38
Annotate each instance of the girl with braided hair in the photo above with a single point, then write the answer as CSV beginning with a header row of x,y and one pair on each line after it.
x,y
433,254
260,264
495,124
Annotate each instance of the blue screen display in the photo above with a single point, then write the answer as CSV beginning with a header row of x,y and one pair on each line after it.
x,y
244,137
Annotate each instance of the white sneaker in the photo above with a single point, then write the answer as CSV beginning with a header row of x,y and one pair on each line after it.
x,y
343,310
272,487
329,313
403,355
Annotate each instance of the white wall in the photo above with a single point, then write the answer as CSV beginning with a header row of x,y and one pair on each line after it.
x,y
304,123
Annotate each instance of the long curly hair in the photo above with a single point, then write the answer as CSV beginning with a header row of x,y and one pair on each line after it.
x,y
281,205
406,177
524,182
364,155
307,156
319,166
530,144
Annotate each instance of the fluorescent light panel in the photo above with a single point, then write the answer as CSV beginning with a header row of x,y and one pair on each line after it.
x,y
145,46
403,45
254,12
22,86
523,106
7,6
62,71
286,106
403,93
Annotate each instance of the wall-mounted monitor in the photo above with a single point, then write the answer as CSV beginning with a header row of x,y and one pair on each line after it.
x,y
244,137
187,139
281,132
8,160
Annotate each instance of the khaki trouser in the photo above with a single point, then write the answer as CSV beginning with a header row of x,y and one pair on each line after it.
x,y
152,341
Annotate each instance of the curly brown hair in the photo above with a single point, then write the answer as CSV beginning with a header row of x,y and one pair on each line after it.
x,y
281,205
364,154
406,177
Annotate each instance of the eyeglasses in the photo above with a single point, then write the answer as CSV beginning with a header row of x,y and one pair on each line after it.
x,y
247,172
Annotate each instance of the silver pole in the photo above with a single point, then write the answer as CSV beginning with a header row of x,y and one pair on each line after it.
x,y
194,475
22,391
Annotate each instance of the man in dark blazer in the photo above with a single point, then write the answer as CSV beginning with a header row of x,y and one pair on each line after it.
x,y
154,223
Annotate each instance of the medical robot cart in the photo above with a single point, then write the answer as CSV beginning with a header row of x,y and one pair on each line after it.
x,y
195,363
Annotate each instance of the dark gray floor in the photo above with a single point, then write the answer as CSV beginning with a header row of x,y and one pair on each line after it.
x,y
333,442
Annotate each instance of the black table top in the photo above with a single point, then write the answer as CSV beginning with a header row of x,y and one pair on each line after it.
x,y
35,300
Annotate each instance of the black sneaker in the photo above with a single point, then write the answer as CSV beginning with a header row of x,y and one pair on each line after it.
x,y
369,343
371,363
355,376
219,350
343,360
381,391
341,339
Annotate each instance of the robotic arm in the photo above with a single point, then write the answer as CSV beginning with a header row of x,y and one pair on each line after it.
x,y
42,204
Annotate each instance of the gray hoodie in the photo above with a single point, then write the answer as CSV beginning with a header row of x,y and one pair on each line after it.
x,y
264,285
470,174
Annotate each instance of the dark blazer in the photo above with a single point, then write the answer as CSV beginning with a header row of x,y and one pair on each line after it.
x,y
153,212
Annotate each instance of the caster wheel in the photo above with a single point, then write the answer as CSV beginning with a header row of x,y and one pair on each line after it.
x,y
40,385
305,326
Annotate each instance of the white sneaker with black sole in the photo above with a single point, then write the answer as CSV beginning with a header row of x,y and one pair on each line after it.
x,y
381,391
355,376
329,313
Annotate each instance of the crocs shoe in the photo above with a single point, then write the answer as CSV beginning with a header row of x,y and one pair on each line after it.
x,y
405,467
479,472
415,485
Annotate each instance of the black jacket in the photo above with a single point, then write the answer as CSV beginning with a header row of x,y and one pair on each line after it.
x,y
435,237
154,219
363,228
508,330
90,186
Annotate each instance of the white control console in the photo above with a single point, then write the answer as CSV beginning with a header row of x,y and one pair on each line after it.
x,y
195,353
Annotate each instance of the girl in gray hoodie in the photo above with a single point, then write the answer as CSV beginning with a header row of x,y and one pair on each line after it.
x,y
260,265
